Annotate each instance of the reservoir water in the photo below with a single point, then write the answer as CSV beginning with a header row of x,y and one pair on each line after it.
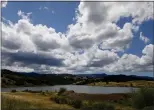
x,y
76,88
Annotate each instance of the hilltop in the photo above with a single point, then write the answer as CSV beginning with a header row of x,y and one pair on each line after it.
x,y
11,78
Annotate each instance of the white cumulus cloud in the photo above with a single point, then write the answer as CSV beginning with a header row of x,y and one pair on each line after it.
x,y
143,38
91,44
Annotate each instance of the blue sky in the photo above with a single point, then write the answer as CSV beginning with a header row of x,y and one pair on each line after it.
x,y
58,15
62,17
138,45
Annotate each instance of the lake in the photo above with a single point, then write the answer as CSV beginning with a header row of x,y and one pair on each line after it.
x,y
77,89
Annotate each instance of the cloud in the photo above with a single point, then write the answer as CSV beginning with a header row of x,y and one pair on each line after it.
x,y
32,58
98,25
147,58
19,68
3,3
43,8
53,11
103,58
32,44
132,63
46,8
89,45
23,15
143,38
105,11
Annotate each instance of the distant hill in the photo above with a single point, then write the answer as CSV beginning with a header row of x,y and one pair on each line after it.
x,y
10,78
123,78
119,77
98,75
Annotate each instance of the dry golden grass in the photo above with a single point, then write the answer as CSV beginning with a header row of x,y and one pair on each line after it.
x,y
37,100
125,84
41,101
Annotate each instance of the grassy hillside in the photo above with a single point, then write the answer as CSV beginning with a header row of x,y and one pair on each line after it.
x,y
10,78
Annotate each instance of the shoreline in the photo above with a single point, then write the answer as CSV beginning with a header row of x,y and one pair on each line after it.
x,y
128,84
68,85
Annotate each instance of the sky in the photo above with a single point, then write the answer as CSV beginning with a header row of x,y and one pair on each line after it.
x,y
78,37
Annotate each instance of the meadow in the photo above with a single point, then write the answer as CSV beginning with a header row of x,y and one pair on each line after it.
x,y
30,100
69,100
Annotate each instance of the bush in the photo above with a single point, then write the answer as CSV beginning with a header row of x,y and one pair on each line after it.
x,y
149,108
13,90
26,90
61,90
98,106
143,98
60,100
65,100
86,106
32,91
76,103
43,93
131,85
107,82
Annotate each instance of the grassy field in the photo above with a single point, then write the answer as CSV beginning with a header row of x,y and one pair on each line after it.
x,y
42,101
25,100
143,99
69,100
125,84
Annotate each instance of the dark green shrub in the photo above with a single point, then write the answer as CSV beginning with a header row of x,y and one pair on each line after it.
x,y
131,85
47,91
61,90
143,98
65,100
26,90
43,93
77,103
148,108
69,101
107,82
13,90
56,99
60,100
98,106
32,91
